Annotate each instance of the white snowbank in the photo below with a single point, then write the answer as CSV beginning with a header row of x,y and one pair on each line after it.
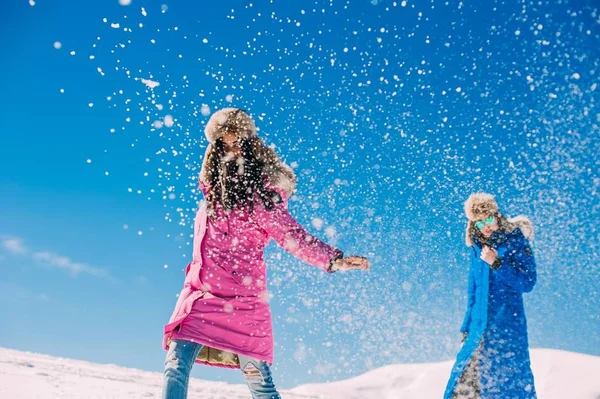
x,y
23,375
558,375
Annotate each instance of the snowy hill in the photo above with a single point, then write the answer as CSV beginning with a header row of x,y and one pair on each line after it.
x,y
558,375
23,375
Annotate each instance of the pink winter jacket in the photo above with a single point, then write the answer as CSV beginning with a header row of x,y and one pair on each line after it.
x,y
236,318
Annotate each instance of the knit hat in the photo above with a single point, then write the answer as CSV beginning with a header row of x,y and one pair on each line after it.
x,y
229,120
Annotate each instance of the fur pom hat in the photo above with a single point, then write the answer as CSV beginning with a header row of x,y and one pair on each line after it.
x,y
232,120
277,174
481,205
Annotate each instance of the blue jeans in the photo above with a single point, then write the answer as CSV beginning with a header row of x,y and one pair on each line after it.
x,y
179,362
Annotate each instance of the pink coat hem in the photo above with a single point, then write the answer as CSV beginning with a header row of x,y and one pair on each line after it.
x,y
226,348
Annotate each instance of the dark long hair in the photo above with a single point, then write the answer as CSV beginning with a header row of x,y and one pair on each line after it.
x,y
237,182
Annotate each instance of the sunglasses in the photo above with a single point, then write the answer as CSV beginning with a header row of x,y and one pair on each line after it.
x,y
481,223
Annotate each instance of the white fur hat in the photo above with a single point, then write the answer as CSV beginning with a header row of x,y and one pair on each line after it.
x,y
480,205
232,120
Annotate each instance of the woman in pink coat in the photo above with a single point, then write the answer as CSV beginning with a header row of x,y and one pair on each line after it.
x,y
222,317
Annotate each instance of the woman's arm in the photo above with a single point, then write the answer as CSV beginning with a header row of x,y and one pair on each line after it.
x,y
517,267
291,236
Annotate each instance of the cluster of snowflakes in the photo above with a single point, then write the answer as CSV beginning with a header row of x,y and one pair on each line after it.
x,y
391,114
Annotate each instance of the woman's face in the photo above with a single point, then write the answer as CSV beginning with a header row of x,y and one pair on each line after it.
x,y
232,145
487,226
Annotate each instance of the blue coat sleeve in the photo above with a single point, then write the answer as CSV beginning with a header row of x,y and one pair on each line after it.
x,y
517,269
470,297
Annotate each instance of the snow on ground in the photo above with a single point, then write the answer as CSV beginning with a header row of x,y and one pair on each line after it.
x,y
558,375
26,375
23,375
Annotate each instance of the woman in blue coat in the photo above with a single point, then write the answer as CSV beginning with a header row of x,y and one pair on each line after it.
x,y
493,362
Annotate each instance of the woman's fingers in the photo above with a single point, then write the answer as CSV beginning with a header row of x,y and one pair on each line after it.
x,y
485,253
357,262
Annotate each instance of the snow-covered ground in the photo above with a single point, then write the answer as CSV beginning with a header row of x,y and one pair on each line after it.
x,y
558,375
23,375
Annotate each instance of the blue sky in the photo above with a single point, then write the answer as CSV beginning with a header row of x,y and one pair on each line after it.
x,y
392,113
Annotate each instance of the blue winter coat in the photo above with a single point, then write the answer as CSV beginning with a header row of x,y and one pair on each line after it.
x,y
495,320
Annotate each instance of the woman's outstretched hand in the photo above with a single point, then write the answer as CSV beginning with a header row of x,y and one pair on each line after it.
x,y
351,262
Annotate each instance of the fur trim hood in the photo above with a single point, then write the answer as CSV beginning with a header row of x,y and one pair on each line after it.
x,y
524,224
234,120
278,174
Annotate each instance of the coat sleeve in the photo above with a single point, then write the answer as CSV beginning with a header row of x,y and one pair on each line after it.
x,y
291,236
470,297
517,268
